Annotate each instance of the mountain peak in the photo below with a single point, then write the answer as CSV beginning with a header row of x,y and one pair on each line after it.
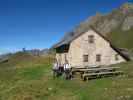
x,y
127,6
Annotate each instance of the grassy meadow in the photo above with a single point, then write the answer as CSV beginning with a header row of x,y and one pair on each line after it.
x,y
32,80
122,39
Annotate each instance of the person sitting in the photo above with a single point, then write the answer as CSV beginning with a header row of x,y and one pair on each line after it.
x,y
67,70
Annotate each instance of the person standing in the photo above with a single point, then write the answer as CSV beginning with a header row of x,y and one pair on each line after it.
x,y
67,70
55,68
61,69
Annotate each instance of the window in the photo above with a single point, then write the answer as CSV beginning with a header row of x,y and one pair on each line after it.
x,y
91,39
98,57
116,57
85,58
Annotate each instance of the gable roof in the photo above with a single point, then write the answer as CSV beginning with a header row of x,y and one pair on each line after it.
x,y
68,40
72,36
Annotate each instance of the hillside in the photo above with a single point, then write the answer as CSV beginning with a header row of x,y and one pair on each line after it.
x,y
36,83
116,26
122,39
24,76
22,59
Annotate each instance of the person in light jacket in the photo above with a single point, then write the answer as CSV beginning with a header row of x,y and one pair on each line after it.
x,y
55,68
67,70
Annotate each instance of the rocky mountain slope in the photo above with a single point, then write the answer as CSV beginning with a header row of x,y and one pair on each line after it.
x,y
105,23
116,25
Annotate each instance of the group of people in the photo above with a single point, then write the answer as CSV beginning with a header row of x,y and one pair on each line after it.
x,y
59,70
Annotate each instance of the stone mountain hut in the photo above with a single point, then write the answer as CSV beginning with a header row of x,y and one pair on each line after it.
x,y
88,49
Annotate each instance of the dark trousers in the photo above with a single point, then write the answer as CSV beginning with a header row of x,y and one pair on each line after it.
x,y
55,73
61,69
58,72
68,74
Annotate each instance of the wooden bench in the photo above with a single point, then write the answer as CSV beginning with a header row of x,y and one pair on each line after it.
x,y
82,69
94,70
101,74
102,69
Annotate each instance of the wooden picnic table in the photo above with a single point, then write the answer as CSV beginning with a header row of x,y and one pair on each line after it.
x,y
98,69
77,67
90,75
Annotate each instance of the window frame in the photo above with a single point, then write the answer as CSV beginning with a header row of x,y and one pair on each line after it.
x,y
91,38
85,58
98,58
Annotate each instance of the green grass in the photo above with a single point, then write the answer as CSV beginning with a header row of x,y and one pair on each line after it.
x,y
32,73
122,39
36,83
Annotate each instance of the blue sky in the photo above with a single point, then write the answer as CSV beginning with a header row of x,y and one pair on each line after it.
x,y
41,23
